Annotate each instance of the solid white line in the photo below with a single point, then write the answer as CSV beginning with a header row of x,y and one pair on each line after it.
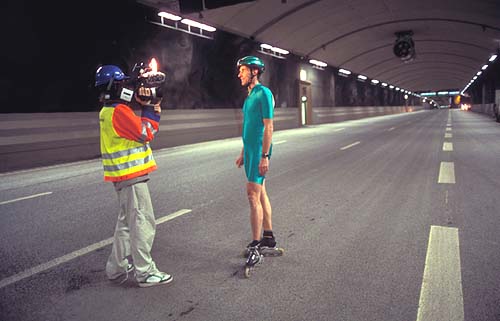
x,y
441,296
447,147
349,146
68,257
25,198
446,173
279,142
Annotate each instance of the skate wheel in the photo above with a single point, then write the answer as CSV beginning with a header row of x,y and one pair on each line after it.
x,y
247,272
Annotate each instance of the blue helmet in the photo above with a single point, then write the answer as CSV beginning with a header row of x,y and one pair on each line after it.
x,y
106,73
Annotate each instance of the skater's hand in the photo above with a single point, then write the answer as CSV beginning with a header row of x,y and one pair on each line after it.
x,y
263,166
239,161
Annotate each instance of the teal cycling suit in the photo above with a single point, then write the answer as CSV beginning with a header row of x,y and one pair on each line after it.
x,y
258,105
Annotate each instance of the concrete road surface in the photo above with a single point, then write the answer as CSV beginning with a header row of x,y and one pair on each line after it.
x,y
388,218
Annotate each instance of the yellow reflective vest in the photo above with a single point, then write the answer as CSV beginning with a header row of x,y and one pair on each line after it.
x,y
125,138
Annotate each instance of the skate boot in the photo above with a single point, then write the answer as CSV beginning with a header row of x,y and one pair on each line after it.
x,y
246,251
254,258
267,247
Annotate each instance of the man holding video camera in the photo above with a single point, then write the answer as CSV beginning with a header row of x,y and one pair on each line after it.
x,y
128,159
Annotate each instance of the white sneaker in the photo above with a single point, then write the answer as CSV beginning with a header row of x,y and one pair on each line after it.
x,y
157,278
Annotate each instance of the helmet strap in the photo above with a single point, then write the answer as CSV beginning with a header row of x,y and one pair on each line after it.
x,y
110,84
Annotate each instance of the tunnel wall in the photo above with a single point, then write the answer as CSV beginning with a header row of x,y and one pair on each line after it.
x,y
43,139
58,75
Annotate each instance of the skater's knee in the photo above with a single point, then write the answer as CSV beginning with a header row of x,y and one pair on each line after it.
x,y
253,200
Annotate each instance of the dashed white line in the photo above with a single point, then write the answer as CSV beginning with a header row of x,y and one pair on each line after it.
x,y
25,198
349,146
68,257
447,147
446,173
448,135
279,142
441,295
338,129
391,129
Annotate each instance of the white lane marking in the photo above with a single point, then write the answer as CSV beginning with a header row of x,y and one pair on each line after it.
x,y
391,129
448,135
447,147
279,142
338,129
441,296
73,255
448,129
25,198
349,146
446,173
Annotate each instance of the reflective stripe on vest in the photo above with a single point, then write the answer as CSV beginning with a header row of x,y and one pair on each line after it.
x,y
122,158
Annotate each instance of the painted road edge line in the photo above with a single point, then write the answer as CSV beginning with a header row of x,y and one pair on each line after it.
x,y
349,146
25,198
441,295
446,173
68,257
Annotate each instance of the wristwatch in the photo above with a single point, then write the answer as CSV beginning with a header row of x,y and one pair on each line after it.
x,y
265,155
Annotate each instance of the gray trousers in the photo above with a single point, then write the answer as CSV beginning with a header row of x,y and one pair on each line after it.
x,y
134,233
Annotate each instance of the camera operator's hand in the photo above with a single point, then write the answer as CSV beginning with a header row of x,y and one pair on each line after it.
x,y
142,102
157,107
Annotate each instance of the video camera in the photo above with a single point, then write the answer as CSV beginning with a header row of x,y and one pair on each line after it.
x,y
148,81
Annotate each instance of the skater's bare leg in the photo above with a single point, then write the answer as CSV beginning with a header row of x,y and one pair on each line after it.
x,y
254,192
267,223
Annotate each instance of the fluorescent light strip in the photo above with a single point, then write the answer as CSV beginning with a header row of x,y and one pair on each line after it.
x,y
196,24
275,49
318,63
169,16
362,77
344,71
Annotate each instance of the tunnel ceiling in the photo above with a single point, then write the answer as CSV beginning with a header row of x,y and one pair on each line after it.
x,y
453,38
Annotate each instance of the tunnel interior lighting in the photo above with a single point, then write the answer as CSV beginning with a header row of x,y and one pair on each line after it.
x,y
344,71
374,81
198,25
484,67
273,51
492,58
479,73
384,84
303,75
318,63
362,77
175,22
391,86
169,16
